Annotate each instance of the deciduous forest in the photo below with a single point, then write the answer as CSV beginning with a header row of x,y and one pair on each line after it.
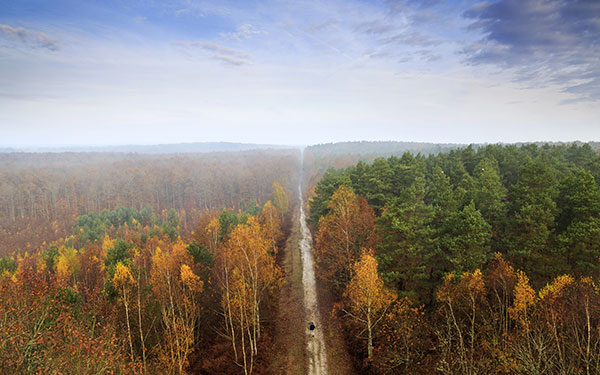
x,y
42,194
126,263
446,259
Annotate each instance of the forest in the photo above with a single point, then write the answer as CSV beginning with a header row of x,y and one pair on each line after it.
x,y
140,264
42,194
473,260
466,262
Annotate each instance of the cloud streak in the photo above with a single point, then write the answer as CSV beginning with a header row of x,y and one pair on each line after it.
x,y
35,39
545,42
218,52
245,31
398,32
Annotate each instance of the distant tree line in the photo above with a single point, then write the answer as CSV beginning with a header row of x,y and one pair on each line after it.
x,y
42,194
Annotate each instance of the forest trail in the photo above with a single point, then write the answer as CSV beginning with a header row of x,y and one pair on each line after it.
x,y
317,361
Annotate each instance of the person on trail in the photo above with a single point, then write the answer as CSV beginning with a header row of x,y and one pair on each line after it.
x,y
312,326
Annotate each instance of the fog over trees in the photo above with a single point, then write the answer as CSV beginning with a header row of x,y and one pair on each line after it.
x,y
478,259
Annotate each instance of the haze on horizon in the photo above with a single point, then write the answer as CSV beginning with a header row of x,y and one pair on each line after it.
x,y
298,72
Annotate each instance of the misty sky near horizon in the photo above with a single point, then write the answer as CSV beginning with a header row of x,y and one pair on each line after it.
x,y
298,72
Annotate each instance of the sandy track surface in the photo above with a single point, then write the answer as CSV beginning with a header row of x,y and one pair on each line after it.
x,y
317,361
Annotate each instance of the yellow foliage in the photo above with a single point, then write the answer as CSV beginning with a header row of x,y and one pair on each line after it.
x,y
68,265
176,286
524,299
588,284
342,201
136,253
556,288
213,225
454,288
190,280
123,275
474,281
41,266
271,224
366,289
280,199
107,244
6,275
342,234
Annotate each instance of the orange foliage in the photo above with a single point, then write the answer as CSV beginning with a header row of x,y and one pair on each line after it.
x,y
248,276
366,298
41,331
177,288
271,223
343,232
524,301
402,338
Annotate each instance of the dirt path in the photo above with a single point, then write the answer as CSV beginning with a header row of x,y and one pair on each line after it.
x,y
289,356
303,300
317,361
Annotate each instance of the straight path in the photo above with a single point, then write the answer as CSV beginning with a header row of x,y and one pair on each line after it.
x,y
317,361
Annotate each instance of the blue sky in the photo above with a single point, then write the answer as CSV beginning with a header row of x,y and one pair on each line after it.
x,y
298,72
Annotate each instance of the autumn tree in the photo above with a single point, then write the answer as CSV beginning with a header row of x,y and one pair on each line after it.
x,y
248,276
280,199
530,341
327,185
141,262
366,300
459,338
271,224
123,281
47,329
569,311
213,230
342,233
176,287
403,340
68,267
501,282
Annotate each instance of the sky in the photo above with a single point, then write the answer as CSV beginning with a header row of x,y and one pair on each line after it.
x,y
111,72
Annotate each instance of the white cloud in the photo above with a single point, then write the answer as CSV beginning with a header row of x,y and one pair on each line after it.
x,y
323,74
245,31
216,51
32,38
